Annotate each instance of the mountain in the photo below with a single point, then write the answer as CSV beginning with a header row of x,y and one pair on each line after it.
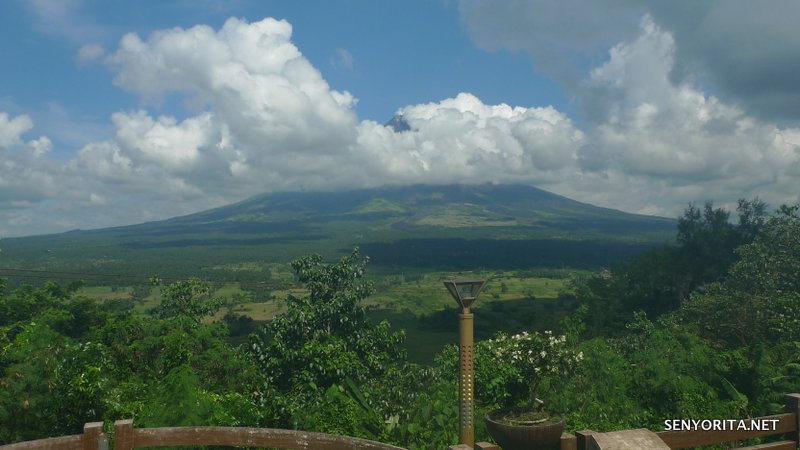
x,y
450,226
398,124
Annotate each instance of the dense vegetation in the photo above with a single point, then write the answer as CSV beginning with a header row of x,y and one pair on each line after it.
x,y
707,328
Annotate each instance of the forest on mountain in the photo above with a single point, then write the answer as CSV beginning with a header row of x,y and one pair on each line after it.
x,y
708,327
401,228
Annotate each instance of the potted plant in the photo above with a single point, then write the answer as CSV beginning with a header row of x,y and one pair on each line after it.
x,y
530,357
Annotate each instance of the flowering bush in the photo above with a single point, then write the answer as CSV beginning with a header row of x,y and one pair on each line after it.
x,y
534,356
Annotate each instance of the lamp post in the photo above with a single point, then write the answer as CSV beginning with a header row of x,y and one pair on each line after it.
x,y
465,292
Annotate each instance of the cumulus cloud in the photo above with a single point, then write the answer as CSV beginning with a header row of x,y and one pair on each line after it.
x,y
464,140
677,143
272,122
25,174
691,102
265,105
749,52
260,118
11,129
163,141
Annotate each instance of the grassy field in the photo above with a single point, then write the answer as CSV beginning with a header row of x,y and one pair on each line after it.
x,y
426,335
415,302
106,292
425,310
423,294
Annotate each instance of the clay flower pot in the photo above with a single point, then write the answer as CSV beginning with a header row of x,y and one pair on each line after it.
x,y
540,436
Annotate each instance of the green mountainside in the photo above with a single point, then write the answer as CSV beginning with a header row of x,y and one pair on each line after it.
x,y
444,227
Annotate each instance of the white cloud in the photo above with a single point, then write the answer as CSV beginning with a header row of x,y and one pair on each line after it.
x,y
11,129
463,140
259,92
676,143
342,59
64,19
163,141
103,160
656,140
25,174
747,51
90,52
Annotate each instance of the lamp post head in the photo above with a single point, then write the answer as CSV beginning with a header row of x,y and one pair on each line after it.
x,y
465,291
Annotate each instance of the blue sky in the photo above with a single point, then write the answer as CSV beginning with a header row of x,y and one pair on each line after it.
x,y
116,112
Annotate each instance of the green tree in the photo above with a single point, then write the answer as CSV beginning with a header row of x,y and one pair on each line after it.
x,y
660,280
187,300
323,338
607,405
27,301
65,361
51,384
708,240
759,301
754,312
173,354
182,399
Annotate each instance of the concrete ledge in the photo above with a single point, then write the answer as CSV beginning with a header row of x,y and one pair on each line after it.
x,y
626,440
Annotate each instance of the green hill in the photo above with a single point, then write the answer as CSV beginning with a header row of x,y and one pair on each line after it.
x,y
442,227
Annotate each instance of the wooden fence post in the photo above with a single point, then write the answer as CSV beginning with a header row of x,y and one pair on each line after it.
x,y
91,435
123,434
792,402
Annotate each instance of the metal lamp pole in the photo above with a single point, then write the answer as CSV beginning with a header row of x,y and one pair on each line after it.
x,y
465,292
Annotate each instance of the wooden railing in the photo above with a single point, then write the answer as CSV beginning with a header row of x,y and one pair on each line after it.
x,y
126,437
92,438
